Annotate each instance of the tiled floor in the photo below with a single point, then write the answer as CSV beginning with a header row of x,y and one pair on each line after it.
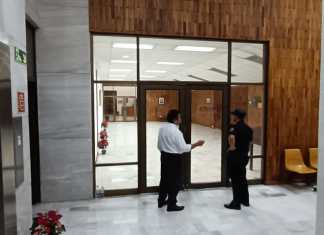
x,y
275,210
205,161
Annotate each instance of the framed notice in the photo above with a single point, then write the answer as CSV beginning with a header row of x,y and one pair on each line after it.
x,y
21,102
161,100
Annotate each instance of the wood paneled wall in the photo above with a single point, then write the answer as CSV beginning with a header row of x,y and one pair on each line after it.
x,y
292,27
206,108
156,111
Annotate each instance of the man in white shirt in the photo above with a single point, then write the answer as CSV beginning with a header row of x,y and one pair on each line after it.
x,y
172,145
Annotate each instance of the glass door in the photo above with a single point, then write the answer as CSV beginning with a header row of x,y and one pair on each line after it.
x,y
203,112
206,112
158,103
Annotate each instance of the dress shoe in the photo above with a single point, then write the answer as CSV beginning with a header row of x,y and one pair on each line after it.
x,y
232,206
162,204
246,204
175,208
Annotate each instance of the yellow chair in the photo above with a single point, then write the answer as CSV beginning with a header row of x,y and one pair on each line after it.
x,y
313,156
294,162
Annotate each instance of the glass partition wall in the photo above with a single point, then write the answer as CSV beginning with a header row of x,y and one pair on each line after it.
x,y
136,80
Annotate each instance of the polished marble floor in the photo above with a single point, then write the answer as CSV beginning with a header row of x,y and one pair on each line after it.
x,y
122,137
275,210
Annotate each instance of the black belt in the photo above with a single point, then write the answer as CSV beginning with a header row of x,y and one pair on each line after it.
x,y
165,154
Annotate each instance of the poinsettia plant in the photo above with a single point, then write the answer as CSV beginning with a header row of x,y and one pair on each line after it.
x,y
47,224
103,142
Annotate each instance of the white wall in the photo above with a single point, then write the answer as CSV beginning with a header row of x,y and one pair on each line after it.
x,y
13,33
320,177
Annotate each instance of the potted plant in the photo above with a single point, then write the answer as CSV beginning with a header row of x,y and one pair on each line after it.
x,y
47,224
103,135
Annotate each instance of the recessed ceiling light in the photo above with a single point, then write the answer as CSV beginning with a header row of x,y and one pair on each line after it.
x,y
123,61
147,76
155,71
194,48
120,70
132,46
169,63
125,56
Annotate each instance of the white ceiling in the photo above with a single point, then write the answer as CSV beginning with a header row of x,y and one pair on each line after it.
x,y
196,64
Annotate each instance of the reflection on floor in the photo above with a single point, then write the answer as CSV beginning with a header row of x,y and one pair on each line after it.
x,y
275,210
205,161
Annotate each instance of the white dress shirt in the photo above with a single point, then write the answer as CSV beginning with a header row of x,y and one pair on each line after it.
x,y
171,139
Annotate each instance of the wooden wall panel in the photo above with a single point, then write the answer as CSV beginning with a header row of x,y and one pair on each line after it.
x,y
206,108
292,28
156,111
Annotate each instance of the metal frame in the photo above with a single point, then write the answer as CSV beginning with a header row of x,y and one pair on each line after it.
x,y
142,86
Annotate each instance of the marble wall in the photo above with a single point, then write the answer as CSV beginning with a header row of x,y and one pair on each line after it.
x,y
13,33
320,177
64,89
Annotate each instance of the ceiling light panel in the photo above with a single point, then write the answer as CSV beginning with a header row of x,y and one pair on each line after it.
x,y
194,48
123,61
148,76
169,63
120,70
155,71
132,46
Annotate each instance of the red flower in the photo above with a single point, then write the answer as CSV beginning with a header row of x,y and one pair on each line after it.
x,y
104,123
103,134
54,216
48,223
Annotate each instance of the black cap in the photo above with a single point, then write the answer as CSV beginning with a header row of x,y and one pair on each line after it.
x,y
239,113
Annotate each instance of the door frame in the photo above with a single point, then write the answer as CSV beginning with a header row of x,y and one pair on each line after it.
x,y
225,121
184,89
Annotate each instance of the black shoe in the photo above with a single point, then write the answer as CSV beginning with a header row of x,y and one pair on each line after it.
x,y
175,208
162,204
247,204
232,206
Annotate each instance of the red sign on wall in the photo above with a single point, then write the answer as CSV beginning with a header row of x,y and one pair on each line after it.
x,y
21,102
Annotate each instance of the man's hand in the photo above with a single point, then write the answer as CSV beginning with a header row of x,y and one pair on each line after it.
x,y
198,143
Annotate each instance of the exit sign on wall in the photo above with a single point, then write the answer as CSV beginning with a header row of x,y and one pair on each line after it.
x,y
20,56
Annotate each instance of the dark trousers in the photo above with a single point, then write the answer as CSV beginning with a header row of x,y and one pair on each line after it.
x,y
170,183
237,172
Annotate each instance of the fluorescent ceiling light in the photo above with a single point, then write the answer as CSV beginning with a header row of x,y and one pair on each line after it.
x,y
125,56
169,63
194,48
120,70
118,75
132,46
123,61
147,76
155,71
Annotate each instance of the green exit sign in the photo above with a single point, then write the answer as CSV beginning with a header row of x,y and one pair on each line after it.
x,y
20,56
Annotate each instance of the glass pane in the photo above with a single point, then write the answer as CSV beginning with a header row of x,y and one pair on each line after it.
x,y
116,114
206,124
117,177
247,63
183,60
251,99
158,103
114,58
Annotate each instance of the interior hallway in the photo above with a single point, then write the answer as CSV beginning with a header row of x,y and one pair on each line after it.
x,y
275,210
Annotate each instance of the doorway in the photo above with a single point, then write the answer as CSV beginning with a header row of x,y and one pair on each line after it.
x,y
203,110
33,113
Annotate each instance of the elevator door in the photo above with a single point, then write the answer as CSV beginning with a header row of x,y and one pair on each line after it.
x,y
8,221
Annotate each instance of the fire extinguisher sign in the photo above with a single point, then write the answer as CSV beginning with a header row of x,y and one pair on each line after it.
x,y
21,102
